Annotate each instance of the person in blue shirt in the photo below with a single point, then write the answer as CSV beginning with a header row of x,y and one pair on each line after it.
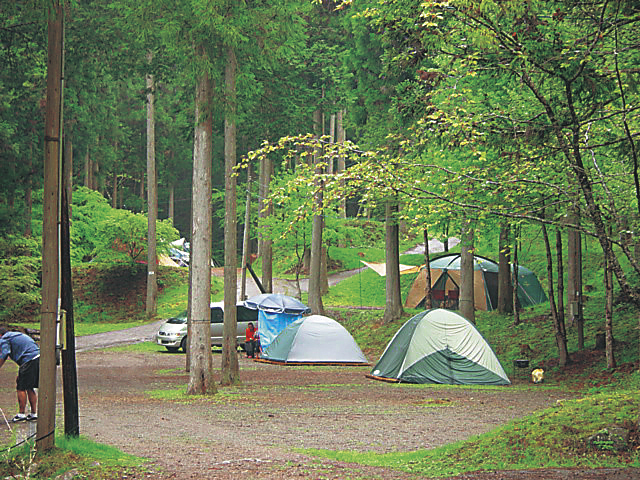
x,y
25,352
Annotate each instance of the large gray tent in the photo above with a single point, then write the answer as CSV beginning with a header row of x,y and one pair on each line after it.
x,y
439,346
315,339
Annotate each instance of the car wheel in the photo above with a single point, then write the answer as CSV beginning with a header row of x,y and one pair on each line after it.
x,y
172,349
183,344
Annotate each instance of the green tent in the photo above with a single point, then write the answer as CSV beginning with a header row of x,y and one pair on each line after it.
x,y
446,279
439,346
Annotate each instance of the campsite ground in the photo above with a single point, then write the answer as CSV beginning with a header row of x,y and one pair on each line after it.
x,y
252,431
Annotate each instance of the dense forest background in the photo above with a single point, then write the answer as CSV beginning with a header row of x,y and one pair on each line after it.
x,y
454,117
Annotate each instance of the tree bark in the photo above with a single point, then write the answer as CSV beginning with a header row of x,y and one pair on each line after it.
x,y
505,289
574,277
561,341
229,362
199,348
608,315
340,138
152,198
87,169
516,277
428,297
172,197
467,294
50,240
315,287
324,274
393,304
572,151
266,244
560,282
246,245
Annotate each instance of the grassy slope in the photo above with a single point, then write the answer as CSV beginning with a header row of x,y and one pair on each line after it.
x,y
552,437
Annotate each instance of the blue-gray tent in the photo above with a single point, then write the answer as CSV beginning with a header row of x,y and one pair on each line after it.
x,y
315,339
275,312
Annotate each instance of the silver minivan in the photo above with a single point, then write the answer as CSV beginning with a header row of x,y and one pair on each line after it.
x,y
172,334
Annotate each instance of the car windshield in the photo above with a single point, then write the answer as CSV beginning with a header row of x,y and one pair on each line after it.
x,y
182,318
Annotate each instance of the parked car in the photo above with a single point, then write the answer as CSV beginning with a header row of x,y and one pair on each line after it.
x,y
172,334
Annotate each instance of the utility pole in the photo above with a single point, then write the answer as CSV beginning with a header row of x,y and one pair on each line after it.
x,y
45,431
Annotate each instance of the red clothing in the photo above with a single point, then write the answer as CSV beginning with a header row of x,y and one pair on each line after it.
x,y
249,334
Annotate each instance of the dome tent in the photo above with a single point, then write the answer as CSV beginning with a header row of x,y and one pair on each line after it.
x,y
445,281
275,312
315,339
439,346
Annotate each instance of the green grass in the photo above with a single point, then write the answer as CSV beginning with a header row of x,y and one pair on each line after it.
x,y
88,459
179,395
554,437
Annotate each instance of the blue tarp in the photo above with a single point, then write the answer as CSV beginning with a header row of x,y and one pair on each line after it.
x,y
271,324
275,312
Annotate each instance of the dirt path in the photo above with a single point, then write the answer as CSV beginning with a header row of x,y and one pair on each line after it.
x,y
251,431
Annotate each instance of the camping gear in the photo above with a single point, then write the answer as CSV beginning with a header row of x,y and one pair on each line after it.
x,y
315,339
537,376
445,284
275,312
439,346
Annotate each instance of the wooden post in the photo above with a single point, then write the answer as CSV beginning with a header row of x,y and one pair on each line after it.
x,y
45,432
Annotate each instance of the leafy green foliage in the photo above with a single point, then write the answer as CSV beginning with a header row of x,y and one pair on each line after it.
x,y
105,234
19,276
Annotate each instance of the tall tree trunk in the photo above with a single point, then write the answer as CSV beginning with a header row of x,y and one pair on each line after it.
x,y
172,202
28,196
152,198
246,244
560,282
393,297
572,151
561,341
340,138
141,193
315,287
95,173
608,314
266,244
574,277
200,364
516,277
467,294
332,139
324,271
229,349
50,240
428,296
505,289
87,169
114,188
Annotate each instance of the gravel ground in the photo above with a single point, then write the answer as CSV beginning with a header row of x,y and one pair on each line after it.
x,y
251,431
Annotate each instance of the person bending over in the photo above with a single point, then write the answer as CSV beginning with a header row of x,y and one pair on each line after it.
x,y
25,352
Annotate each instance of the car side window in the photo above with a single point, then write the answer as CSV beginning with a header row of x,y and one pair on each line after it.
x,y
245,314
217,315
